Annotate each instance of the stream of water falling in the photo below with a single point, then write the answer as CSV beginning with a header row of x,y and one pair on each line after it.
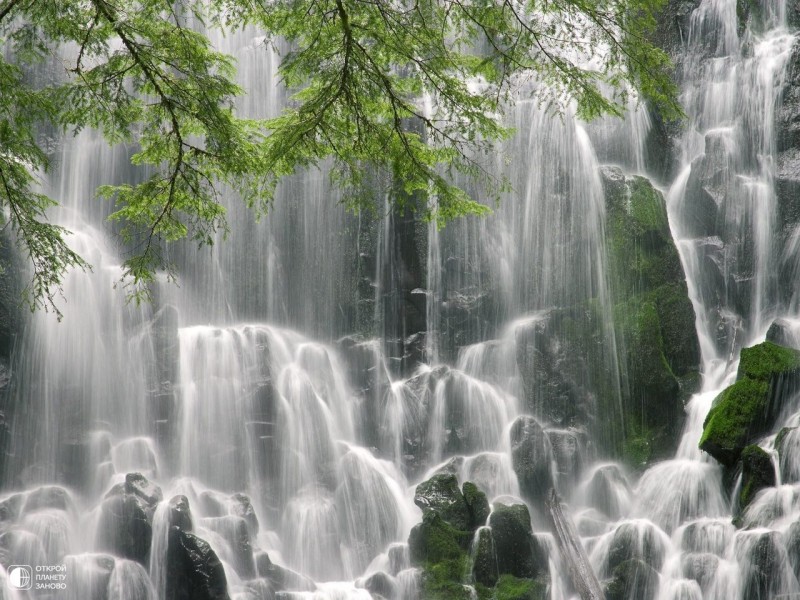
x,y
222,391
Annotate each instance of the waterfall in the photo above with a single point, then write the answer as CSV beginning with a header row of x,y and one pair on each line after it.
x,y
271,416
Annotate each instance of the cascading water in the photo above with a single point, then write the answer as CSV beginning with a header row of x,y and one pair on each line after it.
x,y
214,424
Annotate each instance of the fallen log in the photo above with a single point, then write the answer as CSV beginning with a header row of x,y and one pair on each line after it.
x,y
572,551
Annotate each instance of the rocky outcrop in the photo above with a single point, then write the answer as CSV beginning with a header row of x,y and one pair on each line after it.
x,y
653,315
195,571
503,554
126,518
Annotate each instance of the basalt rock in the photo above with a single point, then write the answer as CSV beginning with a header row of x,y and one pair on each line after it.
x,y
532,457
440,494
517,551
195,571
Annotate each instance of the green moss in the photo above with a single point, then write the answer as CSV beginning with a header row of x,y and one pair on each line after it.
x,y
441,581
434,540
766,360
647,206
737,413
512,588
757,473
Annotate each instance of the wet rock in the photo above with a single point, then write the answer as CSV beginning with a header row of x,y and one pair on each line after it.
x,y
757,474
398,558
791,540
88,576
258,589
49,496
281,578
477,504
761,563
532,458
567,448
242,507
440,493
768,375
639,540
484,565
607,491
553,370
780,333
195,571
235,532
434,540
125,527
138,484
701,568
11,507
382,585
517,551
633,580
180,514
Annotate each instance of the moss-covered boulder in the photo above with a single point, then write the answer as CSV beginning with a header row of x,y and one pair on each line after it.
x,y
654,318
441,494
757,474
484,560
747,409
766,361
436,541
477,504
517,551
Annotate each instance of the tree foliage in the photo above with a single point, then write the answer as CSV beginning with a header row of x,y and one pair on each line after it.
x,y
414,88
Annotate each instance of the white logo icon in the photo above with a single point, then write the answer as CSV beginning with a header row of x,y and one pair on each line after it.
x,y
19,577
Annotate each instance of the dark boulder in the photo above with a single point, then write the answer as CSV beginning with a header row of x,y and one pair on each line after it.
x,y
633,580
180,514
701,568
638,540
125,527
757,474
477,504
382,585
517,551
484,560
532,458
607,491
195,571
440,493
242,507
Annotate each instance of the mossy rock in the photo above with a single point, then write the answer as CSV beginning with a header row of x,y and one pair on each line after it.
x,y
442,581
513,588
434,540
748,408
757,474
767,360
737,416
477,503
440,493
